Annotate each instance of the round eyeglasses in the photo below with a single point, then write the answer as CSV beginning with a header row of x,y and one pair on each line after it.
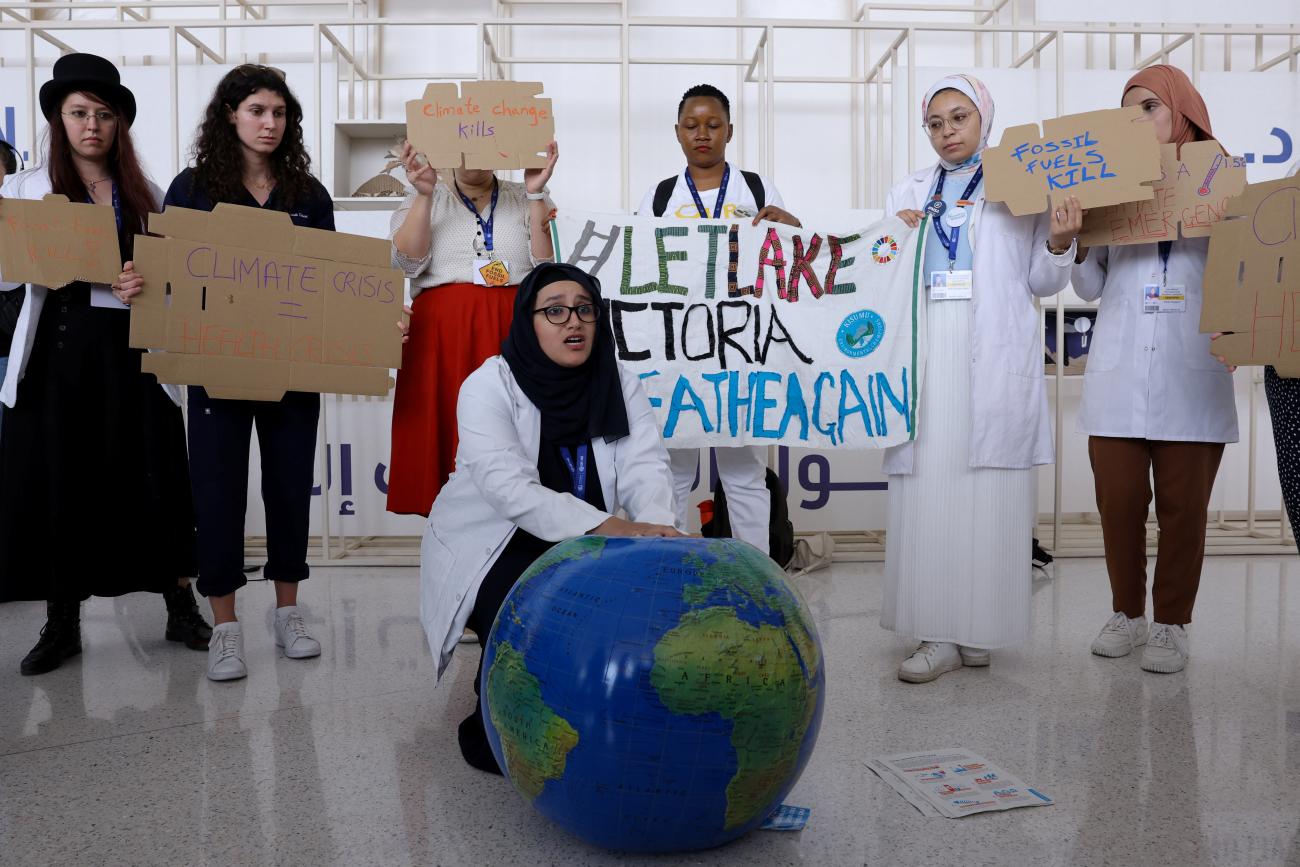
x,y
957,120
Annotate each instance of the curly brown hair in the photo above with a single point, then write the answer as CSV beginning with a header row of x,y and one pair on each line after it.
x,y
218,158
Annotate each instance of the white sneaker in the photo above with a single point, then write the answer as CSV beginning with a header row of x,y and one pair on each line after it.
x,y
973,657
1120,635
291,634
1167,650
928,661
226,652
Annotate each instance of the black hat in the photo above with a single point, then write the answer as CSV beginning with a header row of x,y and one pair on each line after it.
x,y
92,74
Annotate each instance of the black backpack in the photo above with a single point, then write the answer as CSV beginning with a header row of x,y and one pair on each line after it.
x,y
664,191
780,536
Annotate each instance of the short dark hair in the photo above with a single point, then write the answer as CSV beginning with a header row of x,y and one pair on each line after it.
x,y
706,91
8,157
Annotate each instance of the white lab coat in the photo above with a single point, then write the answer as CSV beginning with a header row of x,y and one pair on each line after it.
x,y
35,184
496,489
1151,375
1010,425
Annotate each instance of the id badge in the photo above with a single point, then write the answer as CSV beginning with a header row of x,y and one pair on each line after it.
x,y
950,285
1173,299
491,272
1151,298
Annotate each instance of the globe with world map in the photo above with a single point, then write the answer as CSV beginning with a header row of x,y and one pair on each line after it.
x,y
653,694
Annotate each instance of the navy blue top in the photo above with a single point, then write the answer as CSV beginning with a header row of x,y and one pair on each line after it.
x,y
317,212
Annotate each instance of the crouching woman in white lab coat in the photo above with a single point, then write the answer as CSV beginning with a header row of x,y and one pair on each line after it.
x,y
961,500
555,440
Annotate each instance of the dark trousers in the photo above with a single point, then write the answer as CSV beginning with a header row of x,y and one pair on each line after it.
x,y
1284,406
220,433
518,555
1184,476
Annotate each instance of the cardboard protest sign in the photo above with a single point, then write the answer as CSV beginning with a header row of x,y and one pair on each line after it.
x,y
1191,195
487,125
1251,286
1102,157
248,305
53,242
762,335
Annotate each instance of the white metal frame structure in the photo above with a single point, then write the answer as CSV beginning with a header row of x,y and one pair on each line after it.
x,y
352,35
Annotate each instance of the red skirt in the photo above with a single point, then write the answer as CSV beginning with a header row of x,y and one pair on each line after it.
x,y
456,327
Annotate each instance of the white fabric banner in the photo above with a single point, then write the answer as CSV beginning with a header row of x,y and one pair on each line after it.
x,y
762,335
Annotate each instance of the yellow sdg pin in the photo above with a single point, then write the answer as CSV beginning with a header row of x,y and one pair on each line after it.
x,y
495,273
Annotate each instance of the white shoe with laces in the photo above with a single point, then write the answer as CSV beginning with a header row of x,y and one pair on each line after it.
x,y
1120,635
291,634
929,661
226,652
1167,649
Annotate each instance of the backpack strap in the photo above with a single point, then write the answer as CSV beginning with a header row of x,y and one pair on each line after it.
x,y
663,193
755,184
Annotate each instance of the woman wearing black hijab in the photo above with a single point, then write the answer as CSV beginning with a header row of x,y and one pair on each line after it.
x,y
555,440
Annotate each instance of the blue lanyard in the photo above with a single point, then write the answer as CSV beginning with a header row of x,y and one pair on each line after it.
x,y
577,469
1165,248
117,206
950,244
485,226
722,194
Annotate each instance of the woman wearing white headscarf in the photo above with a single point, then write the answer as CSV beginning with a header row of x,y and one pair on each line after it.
x,y
961,497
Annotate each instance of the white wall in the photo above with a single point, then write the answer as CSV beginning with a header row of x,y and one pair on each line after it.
x,y
819,157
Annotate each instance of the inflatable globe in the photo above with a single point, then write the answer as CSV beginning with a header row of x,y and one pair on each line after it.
x,y
653,694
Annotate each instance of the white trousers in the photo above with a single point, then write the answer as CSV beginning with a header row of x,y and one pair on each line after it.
x,y
743,471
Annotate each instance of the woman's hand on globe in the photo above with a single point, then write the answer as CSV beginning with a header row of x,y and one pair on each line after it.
x,y
616,526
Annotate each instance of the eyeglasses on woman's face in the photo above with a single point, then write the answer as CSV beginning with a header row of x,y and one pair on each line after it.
x,y
81,116
958,120
558,314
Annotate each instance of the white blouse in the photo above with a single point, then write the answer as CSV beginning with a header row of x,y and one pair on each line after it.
x,y
456,241
1151,375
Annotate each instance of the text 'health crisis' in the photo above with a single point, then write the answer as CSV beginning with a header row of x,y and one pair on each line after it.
x,y
1066,162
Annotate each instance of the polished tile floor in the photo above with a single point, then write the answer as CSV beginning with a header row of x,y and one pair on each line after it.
x,y
127,755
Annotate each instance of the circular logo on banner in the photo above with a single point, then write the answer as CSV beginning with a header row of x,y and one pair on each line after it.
x,y
860,333
884,250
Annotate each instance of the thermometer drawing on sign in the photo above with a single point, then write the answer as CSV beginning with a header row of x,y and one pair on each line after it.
x,y
1209,176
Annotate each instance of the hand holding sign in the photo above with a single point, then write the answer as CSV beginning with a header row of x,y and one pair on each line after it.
x,y
419,173
535,180
1101,157
128,284
1067,219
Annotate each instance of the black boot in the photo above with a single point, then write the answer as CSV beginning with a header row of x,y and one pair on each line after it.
x,y
60,638
184,622
474,744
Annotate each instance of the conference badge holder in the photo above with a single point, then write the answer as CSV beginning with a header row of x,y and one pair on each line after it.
x,y
951,285
1164,298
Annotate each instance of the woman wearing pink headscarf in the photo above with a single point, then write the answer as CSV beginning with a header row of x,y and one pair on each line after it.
x,y
1155,403
961,497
